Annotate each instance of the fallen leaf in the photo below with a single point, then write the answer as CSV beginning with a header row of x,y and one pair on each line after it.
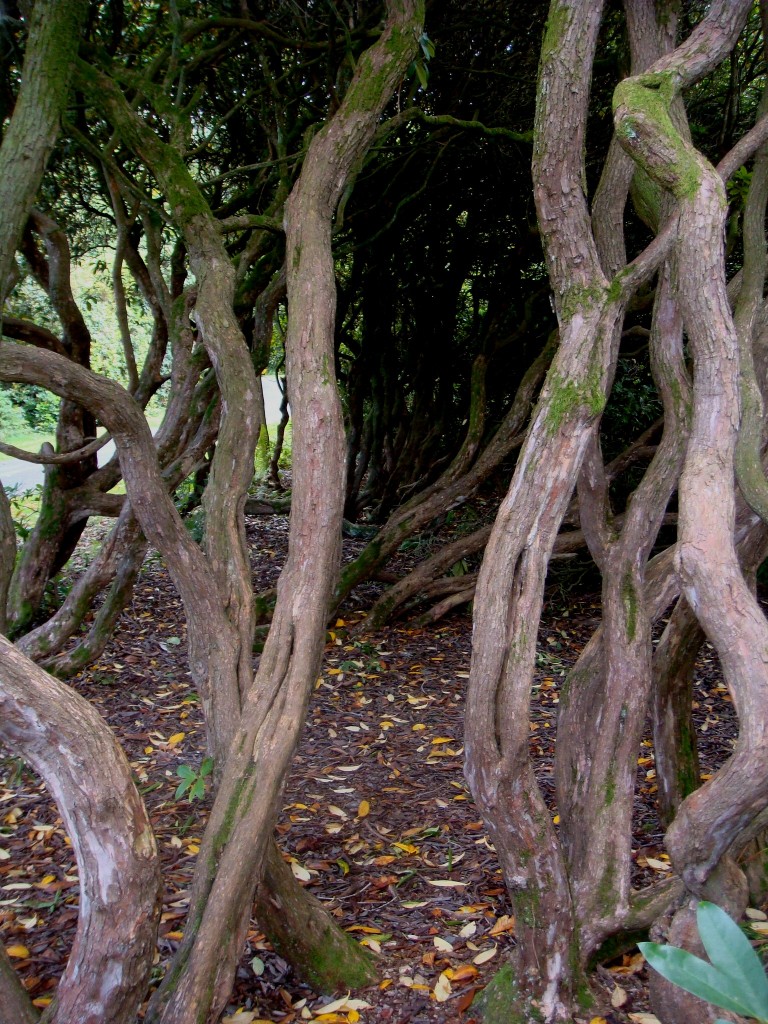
x,y
175,740
406,847
299,871
644,1018
447,883
363,809
485,956
19,952
657,865
751,912
464,973
442,989
343,1005
468,930
506,923
618,997
442,944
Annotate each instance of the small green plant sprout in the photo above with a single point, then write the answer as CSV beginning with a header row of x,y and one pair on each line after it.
x,y
192,780
734,979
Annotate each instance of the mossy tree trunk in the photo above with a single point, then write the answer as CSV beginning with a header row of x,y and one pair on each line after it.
x,y
510,587
231,860
54,38
581,888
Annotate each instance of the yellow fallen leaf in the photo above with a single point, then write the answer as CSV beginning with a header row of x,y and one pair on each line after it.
x,y
47,879
418,727
506,923
175,740
406,847
42,1001
363,809
19,952
442,989
442,739
464,973
598,1020
385,984
657,865
193,848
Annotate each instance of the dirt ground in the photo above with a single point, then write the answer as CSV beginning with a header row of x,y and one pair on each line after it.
x,y
377,819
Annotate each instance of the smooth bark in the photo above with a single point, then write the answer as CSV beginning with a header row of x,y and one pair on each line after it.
x,y
67,741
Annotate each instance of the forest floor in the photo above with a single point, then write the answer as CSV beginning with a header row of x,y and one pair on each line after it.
x,y
377,819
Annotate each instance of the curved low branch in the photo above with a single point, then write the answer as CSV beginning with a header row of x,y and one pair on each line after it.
x,y
72,748
51,458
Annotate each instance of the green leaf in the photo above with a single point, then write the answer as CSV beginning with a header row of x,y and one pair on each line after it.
x,y
427,46
696,976
206,767
198,790
731,953
185,772
182,788
421,73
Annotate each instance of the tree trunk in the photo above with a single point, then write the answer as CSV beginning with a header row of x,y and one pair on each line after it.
x,y
54,36
15,1005
7,553
301,931
603,710
67,742
674,733
231,858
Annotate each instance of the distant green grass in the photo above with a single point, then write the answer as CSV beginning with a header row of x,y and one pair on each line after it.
x,y
29,441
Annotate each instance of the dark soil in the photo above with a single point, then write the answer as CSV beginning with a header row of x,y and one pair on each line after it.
x,y
377,818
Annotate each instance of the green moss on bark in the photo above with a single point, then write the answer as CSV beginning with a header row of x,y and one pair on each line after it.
x,y
567,395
